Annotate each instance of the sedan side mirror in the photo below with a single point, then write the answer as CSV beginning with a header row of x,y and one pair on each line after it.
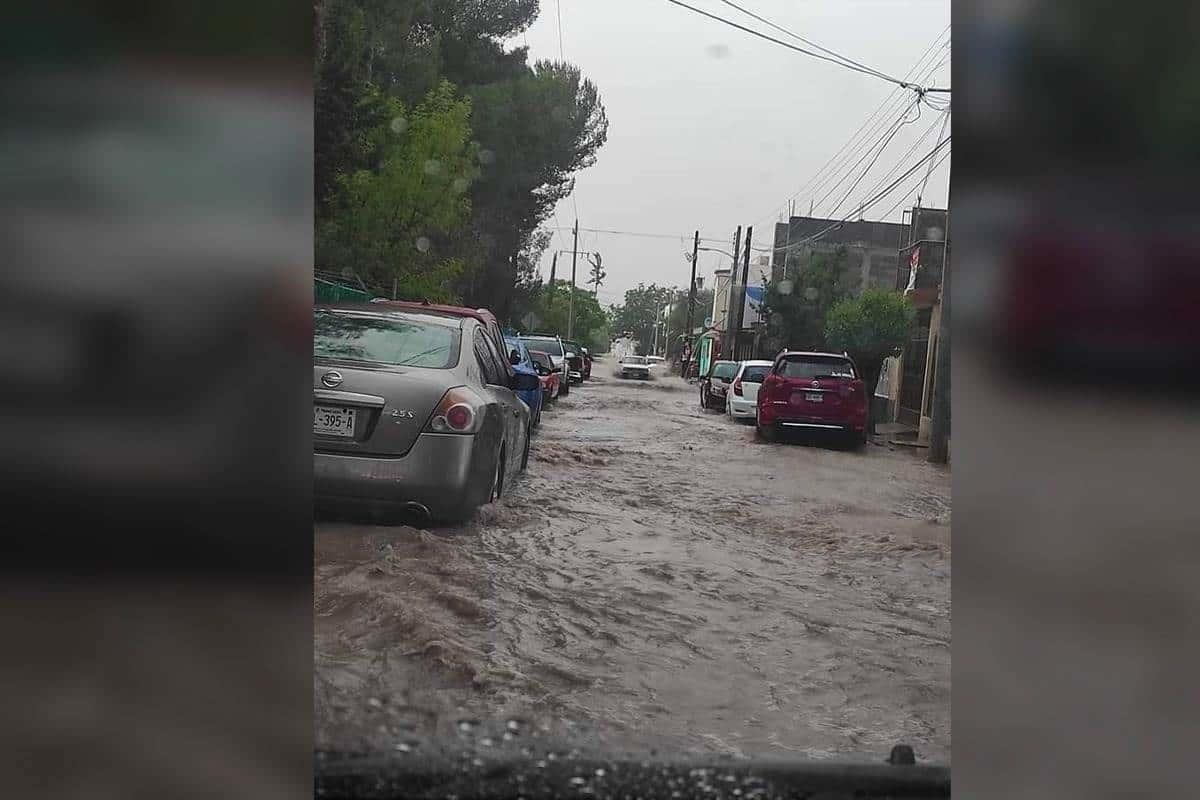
x,y
514,357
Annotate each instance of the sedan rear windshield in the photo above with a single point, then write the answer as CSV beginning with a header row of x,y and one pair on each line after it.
x,y
754,374
816,367
408,342
724,369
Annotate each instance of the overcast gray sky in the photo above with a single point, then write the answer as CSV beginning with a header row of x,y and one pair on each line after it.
x,y
711,128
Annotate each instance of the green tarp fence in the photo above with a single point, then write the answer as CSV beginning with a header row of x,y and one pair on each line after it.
x,y
330,292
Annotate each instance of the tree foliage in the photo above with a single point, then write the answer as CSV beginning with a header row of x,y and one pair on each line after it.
x,y
642,307
796,306
551,306
869,327
387,219
514,132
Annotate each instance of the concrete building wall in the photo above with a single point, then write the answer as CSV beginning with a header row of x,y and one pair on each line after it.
x,y
871,249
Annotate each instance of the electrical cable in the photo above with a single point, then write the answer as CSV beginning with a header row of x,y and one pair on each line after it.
x,y
759,34
866,204
875,158
810,42
889,100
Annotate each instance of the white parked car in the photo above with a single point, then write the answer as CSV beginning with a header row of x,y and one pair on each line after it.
x,y
742,399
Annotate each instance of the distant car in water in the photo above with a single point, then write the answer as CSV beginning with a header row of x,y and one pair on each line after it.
x,y
414,411
552,346
741,401
814,392
518,356
655,361
633,367
715,385
547,374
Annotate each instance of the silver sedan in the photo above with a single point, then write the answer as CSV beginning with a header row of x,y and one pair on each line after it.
x,y
413,412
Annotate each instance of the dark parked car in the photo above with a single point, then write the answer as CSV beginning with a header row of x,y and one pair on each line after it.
x,y
813,391
414,411
715,385
575,361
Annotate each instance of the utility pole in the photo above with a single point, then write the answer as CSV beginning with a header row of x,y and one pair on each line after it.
x,y
939,425
741,308
692,291
571,299
729,333
553,268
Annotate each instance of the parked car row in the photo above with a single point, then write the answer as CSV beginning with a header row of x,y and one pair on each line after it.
x,y
797,391
424,410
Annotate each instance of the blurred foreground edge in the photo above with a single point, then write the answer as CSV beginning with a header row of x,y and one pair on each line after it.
x,y
353,777
154,320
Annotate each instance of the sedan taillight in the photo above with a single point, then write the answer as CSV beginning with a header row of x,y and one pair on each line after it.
x,y
458,412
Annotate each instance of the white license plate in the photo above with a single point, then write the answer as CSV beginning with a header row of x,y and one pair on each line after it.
x,y
814,397
333,420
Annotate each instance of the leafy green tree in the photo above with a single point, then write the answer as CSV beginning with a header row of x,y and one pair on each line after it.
x,y
551,307
869,327
796,306
530,128
389,219
534,130
642,307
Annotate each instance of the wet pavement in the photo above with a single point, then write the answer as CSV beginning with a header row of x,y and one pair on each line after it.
x,y
656,575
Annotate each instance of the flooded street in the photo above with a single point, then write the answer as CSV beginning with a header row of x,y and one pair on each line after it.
x,y
656,574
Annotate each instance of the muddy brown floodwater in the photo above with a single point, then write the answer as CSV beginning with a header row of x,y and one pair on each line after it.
x,y
656,575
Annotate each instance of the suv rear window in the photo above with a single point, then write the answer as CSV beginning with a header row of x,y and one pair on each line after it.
x,y
754,374
545,344
724,369
816,367
403,342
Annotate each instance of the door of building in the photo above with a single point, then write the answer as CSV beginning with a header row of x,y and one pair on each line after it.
x,y
912,379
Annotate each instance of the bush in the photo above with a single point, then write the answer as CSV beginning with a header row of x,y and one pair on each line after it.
x,y
869,327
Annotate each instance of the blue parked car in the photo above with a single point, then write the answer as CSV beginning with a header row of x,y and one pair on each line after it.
x,y
518,355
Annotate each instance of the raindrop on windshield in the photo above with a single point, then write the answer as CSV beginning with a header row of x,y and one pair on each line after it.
x,y
399,125
486,156
423,244
433,167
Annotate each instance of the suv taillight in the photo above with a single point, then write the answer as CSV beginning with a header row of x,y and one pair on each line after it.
x,y
458,412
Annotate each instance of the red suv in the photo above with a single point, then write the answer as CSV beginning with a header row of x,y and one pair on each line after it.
x,y
813,391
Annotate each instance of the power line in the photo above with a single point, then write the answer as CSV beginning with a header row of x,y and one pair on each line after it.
x,y
640,233
810,42
759,34
900,161
878,152
910,192
945,120
888,100
896,104
866,204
